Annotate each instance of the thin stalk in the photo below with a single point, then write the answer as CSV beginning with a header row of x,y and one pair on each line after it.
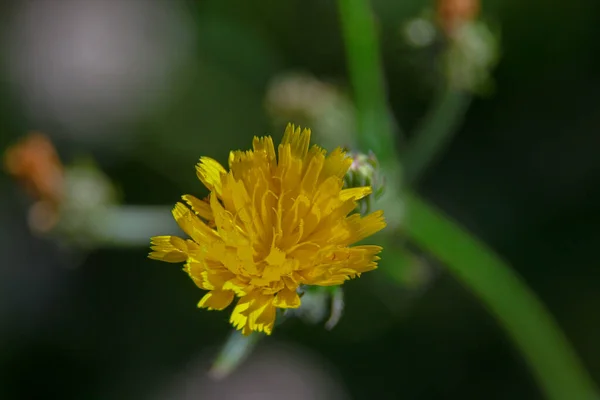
x,y
435,132
233,354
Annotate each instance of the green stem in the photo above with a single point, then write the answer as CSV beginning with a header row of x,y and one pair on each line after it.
x,y
439,125
362,49
516,307
234,352
523,316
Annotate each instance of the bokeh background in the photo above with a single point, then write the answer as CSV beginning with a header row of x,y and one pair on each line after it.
x,y
145,87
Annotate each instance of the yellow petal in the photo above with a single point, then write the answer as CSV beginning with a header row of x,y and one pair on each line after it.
x,y
200,207
218,277
237,285
216,299
355,193
238,317
275,257
209,171
312,172
170,249
266,319
254,312
336,164
262,316
192,225
360,228
334,280
265,145
197,271
224,220
297,139
287,299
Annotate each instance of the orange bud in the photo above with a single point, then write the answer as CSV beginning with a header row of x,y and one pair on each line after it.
x,y
34,161
453,13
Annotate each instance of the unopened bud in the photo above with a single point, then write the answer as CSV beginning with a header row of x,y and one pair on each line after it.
x,y
471,56
451,14
365,171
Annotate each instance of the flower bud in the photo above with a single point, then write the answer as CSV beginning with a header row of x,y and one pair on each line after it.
x,y
365,171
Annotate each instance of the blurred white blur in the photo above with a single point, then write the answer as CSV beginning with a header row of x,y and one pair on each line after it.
x,y
271,372
90,67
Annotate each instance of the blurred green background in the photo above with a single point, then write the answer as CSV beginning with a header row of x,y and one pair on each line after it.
x,y
146,87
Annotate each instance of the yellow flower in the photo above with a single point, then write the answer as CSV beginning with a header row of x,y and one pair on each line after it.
x,y
270,225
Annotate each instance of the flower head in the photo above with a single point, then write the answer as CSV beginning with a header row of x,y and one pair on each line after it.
x,y
272,223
